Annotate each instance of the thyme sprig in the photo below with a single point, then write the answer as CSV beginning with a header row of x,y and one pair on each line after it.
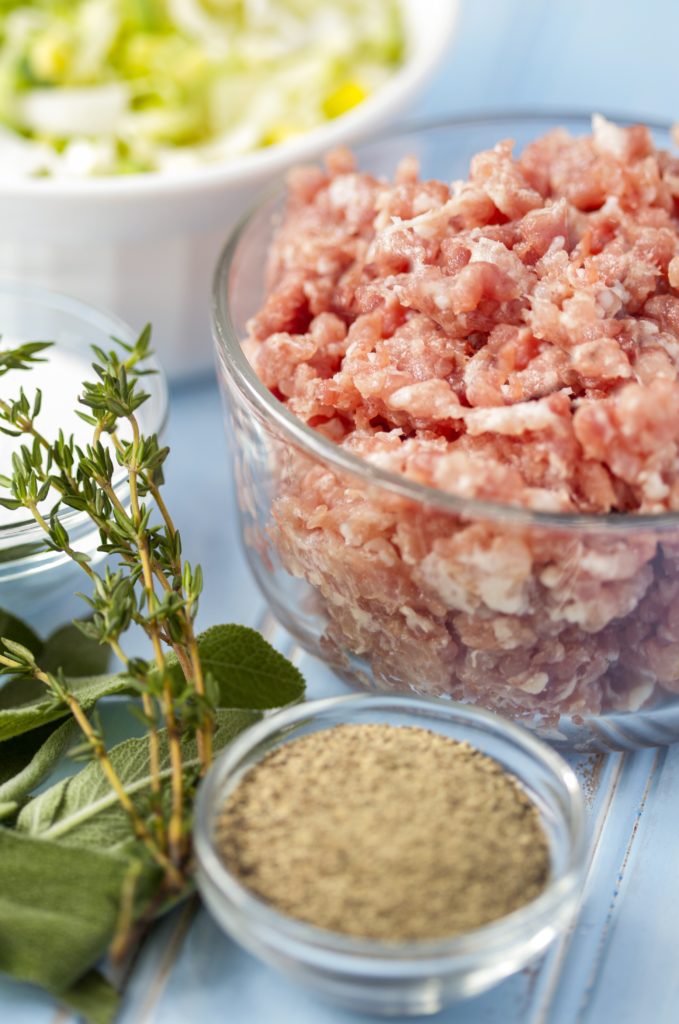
x,y
152,586
127,812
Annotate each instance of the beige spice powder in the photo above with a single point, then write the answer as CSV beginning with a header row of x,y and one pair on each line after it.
x,y
385,832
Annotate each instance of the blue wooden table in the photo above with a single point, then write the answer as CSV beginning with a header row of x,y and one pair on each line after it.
x,y
620,961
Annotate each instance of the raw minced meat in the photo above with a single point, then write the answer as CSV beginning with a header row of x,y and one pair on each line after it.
x,y
514,338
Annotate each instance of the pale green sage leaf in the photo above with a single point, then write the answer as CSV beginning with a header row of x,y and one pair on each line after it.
x,y
20,690
74,653
39,711
247,671
58,908
20,632
84,810
93,998
42,762
16,753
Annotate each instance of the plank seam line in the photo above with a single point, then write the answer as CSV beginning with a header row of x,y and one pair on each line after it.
x,y
172,948
602,945
170,954
542,1012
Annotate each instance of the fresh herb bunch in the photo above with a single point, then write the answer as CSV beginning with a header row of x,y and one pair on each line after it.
x,y
194,692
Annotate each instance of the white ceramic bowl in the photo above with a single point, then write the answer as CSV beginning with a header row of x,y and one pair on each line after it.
x,y
145,245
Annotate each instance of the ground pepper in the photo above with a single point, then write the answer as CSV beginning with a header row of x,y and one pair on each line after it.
x,y
385,832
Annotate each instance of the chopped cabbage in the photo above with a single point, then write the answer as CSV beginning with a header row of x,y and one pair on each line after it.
x,y
124,86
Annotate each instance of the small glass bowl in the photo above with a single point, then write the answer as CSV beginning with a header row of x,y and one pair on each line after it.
x,y
407,978
35,582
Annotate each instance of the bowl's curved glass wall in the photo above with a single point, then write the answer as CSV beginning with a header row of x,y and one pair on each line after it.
x,y
568,624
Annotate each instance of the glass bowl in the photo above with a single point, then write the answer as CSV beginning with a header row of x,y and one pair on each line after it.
x,y
415,977
563,622
36,583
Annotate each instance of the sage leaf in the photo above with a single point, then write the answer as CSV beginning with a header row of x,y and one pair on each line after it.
x,y
19,690
93,998
22,717
84,810
8,809
16,753
18,631
58,908
248,671
42,762
74,653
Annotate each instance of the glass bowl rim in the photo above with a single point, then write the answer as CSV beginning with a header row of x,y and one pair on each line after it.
x,y
310,441
492,937
26,531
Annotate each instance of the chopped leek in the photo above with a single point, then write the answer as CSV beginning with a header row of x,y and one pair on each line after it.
x,y
120,86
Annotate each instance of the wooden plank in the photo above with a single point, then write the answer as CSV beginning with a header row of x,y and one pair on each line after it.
x,y
636,976
558,998
146,986
24,1004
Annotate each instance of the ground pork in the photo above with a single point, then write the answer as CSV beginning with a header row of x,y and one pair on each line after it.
x,y
512,338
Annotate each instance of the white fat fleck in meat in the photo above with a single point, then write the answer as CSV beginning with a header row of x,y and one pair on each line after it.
x,y
511,419
653,485
637,695
530,682
440,578
673,272
415,621
608,301
343,191
608,137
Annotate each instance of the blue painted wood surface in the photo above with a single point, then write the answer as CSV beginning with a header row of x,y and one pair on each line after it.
x,y
619,963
